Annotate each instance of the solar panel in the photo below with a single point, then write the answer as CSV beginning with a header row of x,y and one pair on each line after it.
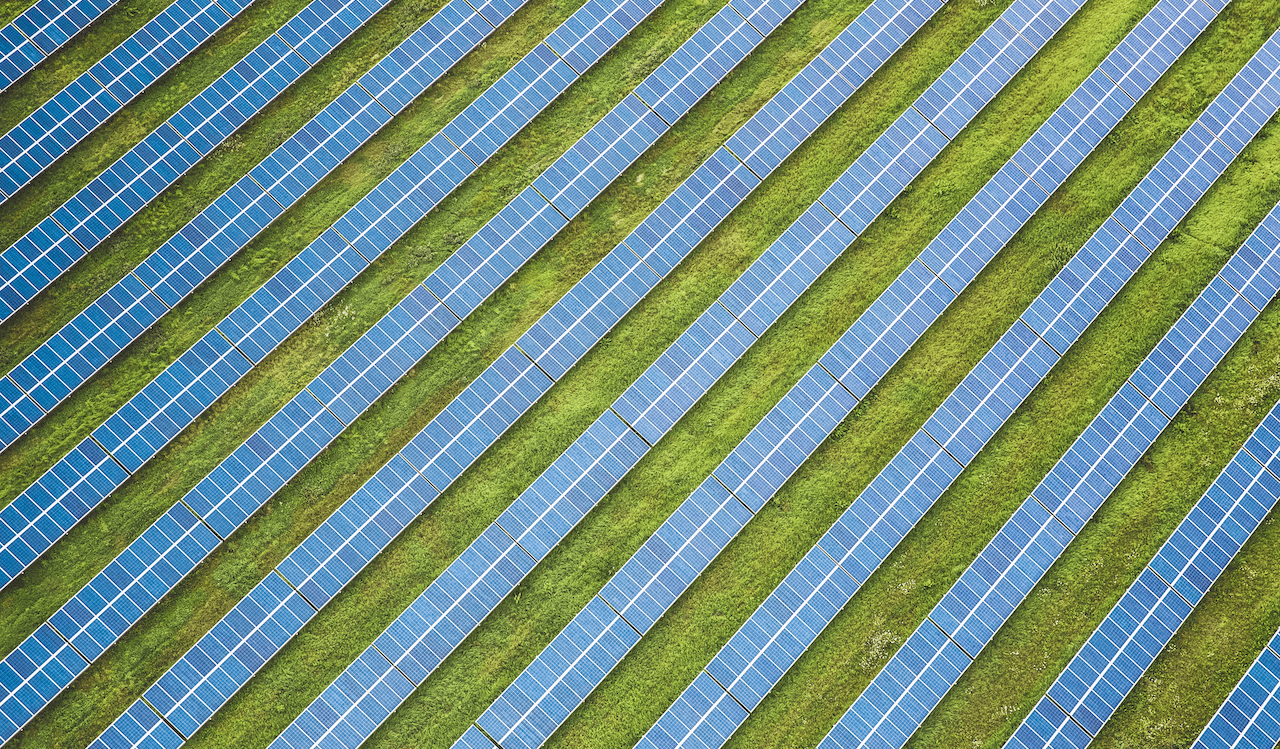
x,y
40,30
1250,716
105,88
487,422
698,65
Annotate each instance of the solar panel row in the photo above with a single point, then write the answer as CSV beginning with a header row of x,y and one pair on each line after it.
x,y
171,401
913,682
812,594
933,658
102,206
54,370
1250,716
41,29
564,673
122,587
1123,647
105,88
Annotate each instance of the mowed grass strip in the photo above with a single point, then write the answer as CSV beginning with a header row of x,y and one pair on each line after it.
x,y
84,551
31,326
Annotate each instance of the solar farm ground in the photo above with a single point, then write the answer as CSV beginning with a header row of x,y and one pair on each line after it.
x,y
1171,704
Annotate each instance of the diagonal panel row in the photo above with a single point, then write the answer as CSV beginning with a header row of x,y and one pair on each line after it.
x,y
1004,573
1250,716
170,402
601,154
54,370
105,88
775,636
473,422
136,178
40,30
1107,667
566,671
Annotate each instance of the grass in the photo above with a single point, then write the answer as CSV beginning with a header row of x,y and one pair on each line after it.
x,y
864,636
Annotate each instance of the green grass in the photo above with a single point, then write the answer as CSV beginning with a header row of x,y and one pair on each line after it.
x,y
827,679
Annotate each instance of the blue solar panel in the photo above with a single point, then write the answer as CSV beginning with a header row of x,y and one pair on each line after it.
x,y
682,547
759,653
684,372
546,512
1009,567
1119,652
89,100
32,674
224,658
704,712
694,68
348,711
525,715
594,305
335,552
598,157
1241,110
493,254
475,419
139,727
584,38
1136,63
787,435
509,104
982,70
1250,716
40,30
884,332
147,569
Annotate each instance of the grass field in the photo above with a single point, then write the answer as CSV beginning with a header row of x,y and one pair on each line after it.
x,y
1170,705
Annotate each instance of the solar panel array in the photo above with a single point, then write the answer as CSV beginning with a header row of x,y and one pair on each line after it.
x,y
529,711
54,370
545,693
41,29
320,578
115,196
105,88
631,128
140,428
1089,691
934,657
1250,717
455,439
812,594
